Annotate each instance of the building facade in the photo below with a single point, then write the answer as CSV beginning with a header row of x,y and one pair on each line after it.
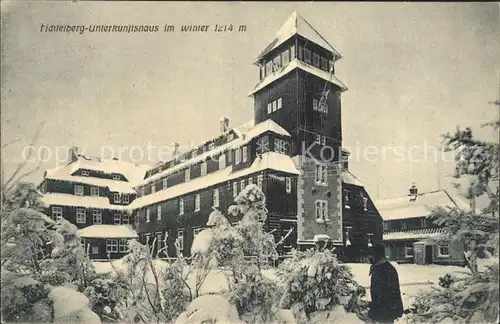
x,y
292,150
90,191
408,232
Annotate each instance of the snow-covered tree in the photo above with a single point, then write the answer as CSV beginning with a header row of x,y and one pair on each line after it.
x,y
475,297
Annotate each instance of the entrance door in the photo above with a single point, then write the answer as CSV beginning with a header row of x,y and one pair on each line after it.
x,y
429,257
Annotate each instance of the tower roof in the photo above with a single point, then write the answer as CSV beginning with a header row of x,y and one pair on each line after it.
x,y
297,25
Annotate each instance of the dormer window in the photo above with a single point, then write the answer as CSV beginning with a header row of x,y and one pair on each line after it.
x,y
222,161
116,177
94,191
307,55
277,63
85,173
126,199
165,184
292,52
78,190
316,60
187,174
263,145
230,137
194,154
244,151
153,188
285,57
237,156
211,146
116,197
203,168
280,146
365,203
269,68
324,64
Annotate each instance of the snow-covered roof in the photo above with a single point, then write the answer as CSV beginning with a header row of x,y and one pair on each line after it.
x,y
403,208
267,161
297,25
412,234
62,199
107,231
348,177
133,172
246,133
298,64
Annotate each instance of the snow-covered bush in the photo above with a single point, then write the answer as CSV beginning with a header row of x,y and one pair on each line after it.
x,y
314,281
24,300
105,293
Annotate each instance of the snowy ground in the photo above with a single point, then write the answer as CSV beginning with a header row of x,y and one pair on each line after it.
x,y
413,278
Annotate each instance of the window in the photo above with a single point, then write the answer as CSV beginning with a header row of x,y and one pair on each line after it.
x,y
443,251
315,104
370,239
97,216
285,57
244,151
348,235
347,199
124,248
111,246
85,173
321,174
187,175
242,184
292,52
181,206
269,108
203,168
235,189
116,177
323,140
153,188
275,105
237,156
222,161
180,239
165,184
230,137
263,145
324,64
126,198
318,139
197,202
280,146
143,191
116,197
288,185
300,54
158,240
158,212
409,250
365,203
321,210
250,181
117,219
95,249
307,55
81,216
211,146
196,231
216,198
386,226
126,219
316,60
79,190
57,213
148,215
260,179
262,71
280,103
330,66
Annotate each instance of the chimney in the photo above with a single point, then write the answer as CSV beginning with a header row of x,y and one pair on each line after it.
x,y
176,149
73,154
413,192
224,124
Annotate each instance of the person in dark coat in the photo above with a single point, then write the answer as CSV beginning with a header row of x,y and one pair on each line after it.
x,y
386,305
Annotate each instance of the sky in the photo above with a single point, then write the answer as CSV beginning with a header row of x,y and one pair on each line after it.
x,y
414,71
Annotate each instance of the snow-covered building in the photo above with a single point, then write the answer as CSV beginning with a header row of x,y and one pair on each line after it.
x,y
407,228
292,150
89,191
